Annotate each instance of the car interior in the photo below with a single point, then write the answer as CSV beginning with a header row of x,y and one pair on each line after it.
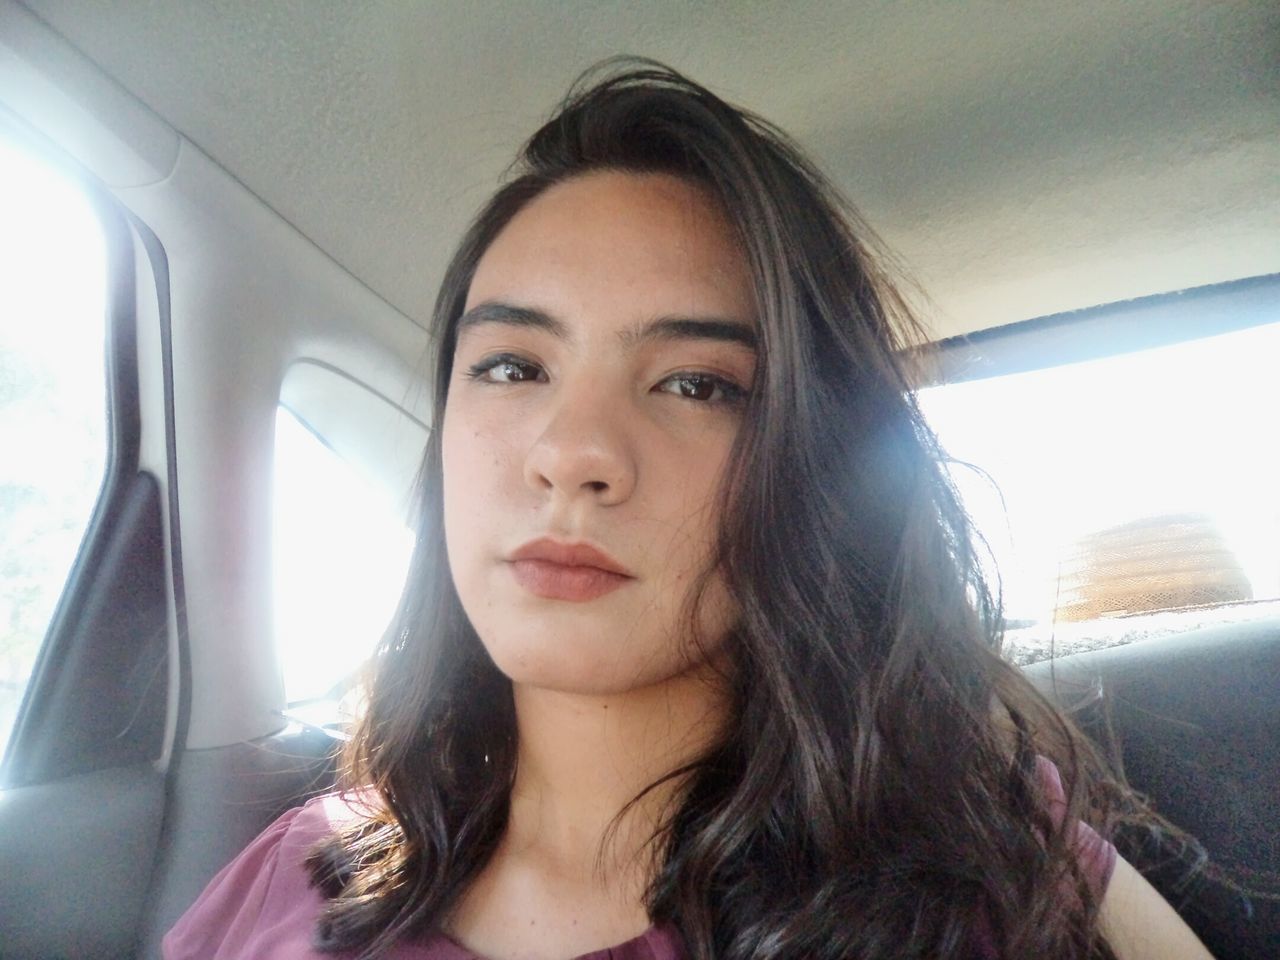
x,y
276,188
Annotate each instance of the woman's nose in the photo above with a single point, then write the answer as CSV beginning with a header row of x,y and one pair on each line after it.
x,y
583,452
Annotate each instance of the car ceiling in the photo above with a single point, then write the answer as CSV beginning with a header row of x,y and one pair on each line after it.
x,y
1019,158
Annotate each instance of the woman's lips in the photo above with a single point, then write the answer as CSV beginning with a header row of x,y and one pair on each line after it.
x,y
556,570
558,581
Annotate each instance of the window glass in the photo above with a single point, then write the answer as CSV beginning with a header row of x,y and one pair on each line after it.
x,y
340,552
1127,497
53,420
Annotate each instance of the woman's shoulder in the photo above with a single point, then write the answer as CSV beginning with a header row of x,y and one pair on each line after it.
x,y
300,829
262,903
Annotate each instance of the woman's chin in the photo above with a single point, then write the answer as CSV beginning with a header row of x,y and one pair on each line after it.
x,y
579,668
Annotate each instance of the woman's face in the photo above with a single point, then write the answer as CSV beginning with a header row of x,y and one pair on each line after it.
x,y
597,388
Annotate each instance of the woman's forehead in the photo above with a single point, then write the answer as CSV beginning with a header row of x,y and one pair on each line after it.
x,y
618,246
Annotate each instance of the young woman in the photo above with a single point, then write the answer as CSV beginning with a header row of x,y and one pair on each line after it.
x,y
695,659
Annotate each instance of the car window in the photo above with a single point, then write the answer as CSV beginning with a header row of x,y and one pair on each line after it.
x,y
53,412
345,459
1125,497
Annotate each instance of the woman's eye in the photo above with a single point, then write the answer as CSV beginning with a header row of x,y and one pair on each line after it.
x,y
505,369
703,387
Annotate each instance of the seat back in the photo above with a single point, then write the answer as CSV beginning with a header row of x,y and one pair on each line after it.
x,y
1196,718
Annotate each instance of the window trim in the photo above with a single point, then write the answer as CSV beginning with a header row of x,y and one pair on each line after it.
x,y
1128,326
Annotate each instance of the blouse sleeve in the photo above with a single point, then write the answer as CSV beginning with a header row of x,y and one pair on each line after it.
x,y
262,902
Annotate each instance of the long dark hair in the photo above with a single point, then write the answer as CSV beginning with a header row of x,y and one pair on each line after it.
x,y
877,795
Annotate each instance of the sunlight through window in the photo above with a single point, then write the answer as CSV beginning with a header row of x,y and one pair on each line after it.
x,y
341,552
1151,449
53,416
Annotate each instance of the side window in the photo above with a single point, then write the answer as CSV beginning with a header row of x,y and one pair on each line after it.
x,y
1128,496
53,409
345,460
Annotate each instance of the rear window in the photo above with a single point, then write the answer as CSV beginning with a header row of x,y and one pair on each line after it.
x,y
1128,496
341,552
345,462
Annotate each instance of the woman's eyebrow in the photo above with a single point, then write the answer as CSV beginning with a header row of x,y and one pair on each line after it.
x,y
692,328
492,311
662,328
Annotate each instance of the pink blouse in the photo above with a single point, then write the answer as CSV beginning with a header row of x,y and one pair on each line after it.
x,y
261,906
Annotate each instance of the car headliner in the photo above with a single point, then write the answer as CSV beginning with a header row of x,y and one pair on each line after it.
x,y
1020,159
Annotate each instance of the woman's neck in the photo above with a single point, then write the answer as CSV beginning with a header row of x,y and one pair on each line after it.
x,y
583,758
569,875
